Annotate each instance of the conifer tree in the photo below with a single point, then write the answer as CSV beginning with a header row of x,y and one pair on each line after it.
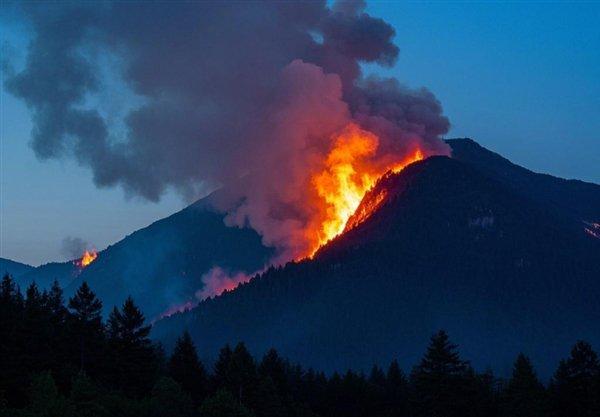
x,y
377,376
44,398
396,390
439,380
86,327
167,399
223,404
56,304
187,370
221,368
242,376
524,393
575,386
134,363
13,374
273,366
36,330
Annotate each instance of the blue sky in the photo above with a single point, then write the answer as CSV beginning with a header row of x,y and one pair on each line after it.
x,y
523,79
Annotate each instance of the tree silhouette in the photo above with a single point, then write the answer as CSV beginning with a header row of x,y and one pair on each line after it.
x,y
439,380
185,368
86,327
223,404
524,393
576,383
134,362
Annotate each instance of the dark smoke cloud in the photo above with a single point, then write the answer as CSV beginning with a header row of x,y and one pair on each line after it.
x,y
73,247
226,90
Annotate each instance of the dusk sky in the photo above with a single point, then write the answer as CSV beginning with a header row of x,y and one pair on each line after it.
x,y
521,79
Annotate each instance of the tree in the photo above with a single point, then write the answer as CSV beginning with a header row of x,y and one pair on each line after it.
x,y
221,368
134,363
85,399
223,404
185,368
524,393
273,367
58,343
396,391
86,327
269,402
242,376
168,400
36,330
439,380
13,365
45,401
575,386
55,304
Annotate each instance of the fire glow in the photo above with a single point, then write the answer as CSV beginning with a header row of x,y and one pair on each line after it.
x,y
351,170
87,258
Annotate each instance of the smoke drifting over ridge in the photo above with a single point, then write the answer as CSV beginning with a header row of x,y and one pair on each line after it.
x,y
247,95
74,247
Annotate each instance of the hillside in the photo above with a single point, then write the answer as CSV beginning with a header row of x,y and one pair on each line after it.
x,y
14,268
452,246
580,199
161,265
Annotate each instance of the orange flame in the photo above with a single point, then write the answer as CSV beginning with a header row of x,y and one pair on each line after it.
x,y
87,258
350,171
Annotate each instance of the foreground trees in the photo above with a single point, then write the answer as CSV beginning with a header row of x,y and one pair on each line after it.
x,y
59,361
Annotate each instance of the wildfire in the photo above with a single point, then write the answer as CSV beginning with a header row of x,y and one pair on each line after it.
x,y
87,258
350,171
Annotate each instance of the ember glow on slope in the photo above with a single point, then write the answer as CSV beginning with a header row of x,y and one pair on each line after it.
x,y
87,258
351,170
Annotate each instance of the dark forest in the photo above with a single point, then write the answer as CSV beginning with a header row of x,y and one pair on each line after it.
x,y
62,359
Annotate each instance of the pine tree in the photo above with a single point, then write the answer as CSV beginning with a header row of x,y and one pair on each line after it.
x,y
242,376
134,363
524,393
377,376
221,368
439,380
223,404
13,364
85,325
45,399
85,399
168,400
185,368
58,343
273,367
37,330
396,391
55,304
575,386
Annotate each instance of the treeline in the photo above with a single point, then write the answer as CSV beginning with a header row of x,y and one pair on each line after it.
x,y
63,360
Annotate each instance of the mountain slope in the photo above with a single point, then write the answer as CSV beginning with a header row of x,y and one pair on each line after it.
x,y
573,197
450,247
161,265
45,275
14,268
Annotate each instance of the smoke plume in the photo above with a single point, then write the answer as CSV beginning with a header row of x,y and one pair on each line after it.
x,y
74,247
243,95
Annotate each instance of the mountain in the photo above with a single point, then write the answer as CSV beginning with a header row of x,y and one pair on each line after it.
x,y
491,252
45,275
580,199
14,268
161,265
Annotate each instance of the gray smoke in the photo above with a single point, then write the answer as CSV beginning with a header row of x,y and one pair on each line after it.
x,y
73,247
223,90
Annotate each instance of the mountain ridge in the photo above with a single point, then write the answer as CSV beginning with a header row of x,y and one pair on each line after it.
x,y
459,247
